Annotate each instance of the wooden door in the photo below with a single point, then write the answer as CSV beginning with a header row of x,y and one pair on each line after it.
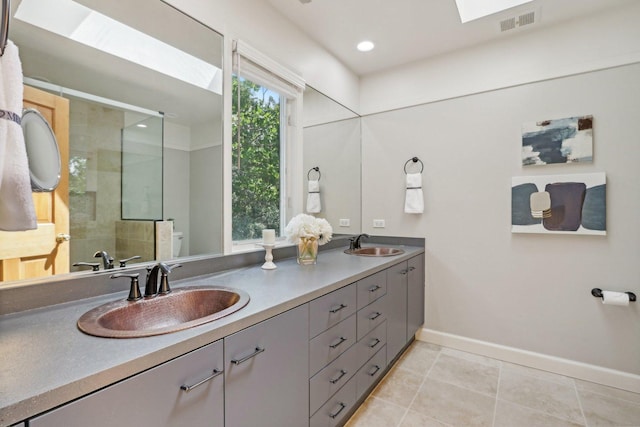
x,y
38,253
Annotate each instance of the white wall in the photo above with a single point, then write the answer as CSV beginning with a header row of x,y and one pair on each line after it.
x,y
176,191
531,292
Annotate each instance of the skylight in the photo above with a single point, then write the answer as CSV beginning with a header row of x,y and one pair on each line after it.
x,y
81,24
474,9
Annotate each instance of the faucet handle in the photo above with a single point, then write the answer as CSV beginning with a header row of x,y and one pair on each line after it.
x,y
164,278
95,266
123,262
134,291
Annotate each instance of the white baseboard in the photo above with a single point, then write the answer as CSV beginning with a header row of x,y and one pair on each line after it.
x,y
570,368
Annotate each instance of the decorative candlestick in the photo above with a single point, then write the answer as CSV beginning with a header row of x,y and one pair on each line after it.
x,y
268,257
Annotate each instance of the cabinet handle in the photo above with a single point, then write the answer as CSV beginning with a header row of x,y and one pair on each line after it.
x,y
375,371
375,342
342,374
335,414
188,388
375,315
244,359
337,309
411,268
374,288
340,341
403,272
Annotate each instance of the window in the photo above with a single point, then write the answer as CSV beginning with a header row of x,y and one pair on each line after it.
x,y
265,147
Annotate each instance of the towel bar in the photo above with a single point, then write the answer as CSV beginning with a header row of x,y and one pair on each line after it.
x,y
414,160
597,292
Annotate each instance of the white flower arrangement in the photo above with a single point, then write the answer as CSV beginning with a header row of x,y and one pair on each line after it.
x,y
308,226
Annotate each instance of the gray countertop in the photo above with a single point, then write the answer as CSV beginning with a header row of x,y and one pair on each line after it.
x,y
46,361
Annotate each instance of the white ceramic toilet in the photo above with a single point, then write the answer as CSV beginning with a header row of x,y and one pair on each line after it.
x,y
177,243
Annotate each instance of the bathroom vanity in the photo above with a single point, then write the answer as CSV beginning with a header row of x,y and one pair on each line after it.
x,y
306,350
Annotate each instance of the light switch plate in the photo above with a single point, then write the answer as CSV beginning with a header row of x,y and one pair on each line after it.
x,y
345,222
378,223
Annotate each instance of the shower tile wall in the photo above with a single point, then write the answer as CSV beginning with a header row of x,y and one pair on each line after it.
x,y
135,238
94,141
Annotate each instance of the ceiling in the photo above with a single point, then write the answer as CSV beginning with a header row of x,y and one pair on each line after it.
x,y
409,30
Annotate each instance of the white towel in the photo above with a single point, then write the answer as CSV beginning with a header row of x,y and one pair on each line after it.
x,y
17,212
414,201
313,198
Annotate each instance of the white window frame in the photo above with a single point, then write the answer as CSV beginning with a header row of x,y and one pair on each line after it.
x,y
266,72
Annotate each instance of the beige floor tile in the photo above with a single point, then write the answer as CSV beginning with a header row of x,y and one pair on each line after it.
x,y
608,391
399,387
454,405
471,357
512,415
376,413
415,419
600,410
419,357
536,373
475,376
559,400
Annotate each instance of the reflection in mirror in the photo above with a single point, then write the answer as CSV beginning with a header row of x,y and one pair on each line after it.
x,y
42,151
332,144
120,181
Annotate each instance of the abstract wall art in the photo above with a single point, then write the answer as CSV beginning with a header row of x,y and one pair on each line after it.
x,y
562,204
568,140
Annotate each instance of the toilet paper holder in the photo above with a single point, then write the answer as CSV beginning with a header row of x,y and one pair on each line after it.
x,y
597,292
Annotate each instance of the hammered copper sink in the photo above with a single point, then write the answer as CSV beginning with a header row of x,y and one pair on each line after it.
x,y
181,309
374,251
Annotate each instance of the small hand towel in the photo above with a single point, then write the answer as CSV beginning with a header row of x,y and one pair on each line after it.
x,y
313,198
414,200
17,211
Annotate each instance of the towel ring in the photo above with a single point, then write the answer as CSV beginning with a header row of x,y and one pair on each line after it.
x,y
317,169
414,160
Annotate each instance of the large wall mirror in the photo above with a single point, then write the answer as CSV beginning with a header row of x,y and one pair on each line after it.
x,y
332,138
144,87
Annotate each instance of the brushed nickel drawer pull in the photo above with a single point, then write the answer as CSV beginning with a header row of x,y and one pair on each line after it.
x,y
188,388
374,288
374,343
340,341
342,374
375,371
337,309
375,315
342,406
244,359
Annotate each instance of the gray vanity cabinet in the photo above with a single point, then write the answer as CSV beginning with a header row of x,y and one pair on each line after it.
x,y
154,398
415,295
267,372
396,309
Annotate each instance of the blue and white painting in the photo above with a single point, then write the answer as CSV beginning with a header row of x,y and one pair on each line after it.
x,y
567,140
577,204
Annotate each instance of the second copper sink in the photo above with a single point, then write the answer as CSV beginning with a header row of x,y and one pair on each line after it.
x,y
375,251
181,309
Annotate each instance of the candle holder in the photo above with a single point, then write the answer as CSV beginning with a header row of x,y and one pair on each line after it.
x,y
268,257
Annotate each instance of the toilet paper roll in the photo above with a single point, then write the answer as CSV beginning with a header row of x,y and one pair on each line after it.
x,y
615,298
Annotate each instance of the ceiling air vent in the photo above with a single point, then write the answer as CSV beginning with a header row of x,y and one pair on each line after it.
x,y
526,18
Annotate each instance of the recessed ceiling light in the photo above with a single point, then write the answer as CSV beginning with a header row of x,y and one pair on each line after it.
x,y
365,46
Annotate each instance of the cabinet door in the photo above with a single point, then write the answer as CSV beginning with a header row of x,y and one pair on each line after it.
x,y
153,398
396,309
415,296
267,372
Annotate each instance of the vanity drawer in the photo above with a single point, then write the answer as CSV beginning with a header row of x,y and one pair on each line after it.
x,y
335,410
329,380
331,309
370,372
371,288
371,343
371,316
330,344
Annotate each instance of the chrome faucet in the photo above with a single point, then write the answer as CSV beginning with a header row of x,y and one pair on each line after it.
x,y
151,286
107,261
354,242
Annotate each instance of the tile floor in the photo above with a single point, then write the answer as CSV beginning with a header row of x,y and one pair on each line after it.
x,y
434,386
